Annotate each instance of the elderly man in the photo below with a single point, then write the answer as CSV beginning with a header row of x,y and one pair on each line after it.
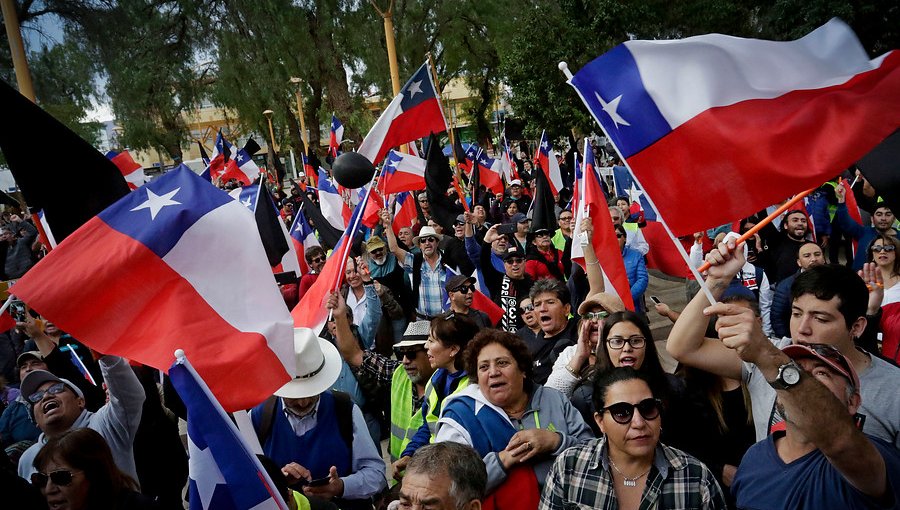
x,y
563,234
58,406
318,436
552,304
444,476
830,305
821,459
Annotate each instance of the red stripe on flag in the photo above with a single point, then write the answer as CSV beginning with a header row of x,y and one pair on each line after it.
x,y
740,158
146,323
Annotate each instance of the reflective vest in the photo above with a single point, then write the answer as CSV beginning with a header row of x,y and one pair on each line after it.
x,y
434,407
405,421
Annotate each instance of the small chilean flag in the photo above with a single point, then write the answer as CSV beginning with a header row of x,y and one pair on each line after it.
x,y
152,267
718,127
131,170
405,213
546,159
330,202
491,175
414,113
402,172
302,238
337,135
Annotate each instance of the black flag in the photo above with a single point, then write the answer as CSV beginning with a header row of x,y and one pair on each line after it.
x,y
881,168
438,179
72,182
543,211
268,222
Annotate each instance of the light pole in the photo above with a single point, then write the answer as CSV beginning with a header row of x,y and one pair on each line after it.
x,y
296,81
268,114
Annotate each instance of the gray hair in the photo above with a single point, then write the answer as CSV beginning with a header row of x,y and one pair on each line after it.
x,y
468,475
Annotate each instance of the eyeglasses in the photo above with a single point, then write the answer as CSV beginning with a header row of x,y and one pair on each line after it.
x,y
408,353
56,389
618,342
459,224
377,252
526,309
464,289
423,201
878,248
595,316
61,477
565,218
623,412
514,260
318,260
427,240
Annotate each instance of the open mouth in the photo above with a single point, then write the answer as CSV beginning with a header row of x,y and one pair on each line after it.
x,y
545,319
52,405
627,361
497,385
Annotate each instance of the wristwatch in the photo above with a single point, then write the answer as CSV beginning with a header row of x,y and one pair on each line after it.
x,y
788,376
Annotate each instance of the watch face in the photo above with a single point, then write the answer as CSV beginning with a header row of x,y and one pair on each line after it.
x,y
791,375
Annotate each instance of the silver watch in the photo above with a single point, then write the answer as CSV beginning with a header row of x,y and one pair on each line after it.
x,y
788,376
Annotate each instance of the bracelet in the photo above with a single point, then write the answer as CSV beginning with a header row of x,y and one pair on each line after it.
x,y
574,374
871,286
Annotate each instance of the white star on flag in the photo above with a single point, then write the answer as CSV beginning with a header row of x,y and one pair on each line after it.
x,y
545,145
415,88
156,202
202,465
610,108
239,157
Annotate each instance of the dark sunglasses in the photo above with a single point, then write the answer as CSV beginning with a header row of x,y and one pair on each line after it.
x,y
884,247
409,353
526,309
56,389
62,478
464,288
427,240
565,218
623,412
317,260
514,260
377,252
620,236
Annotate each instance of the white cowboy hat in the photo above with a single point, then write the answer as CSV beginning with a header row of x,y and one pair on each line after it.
x,y
318,366
427,232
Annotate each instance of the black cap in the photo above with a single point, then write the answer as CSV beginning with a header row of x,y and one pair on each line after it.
x,y
456,281
514,251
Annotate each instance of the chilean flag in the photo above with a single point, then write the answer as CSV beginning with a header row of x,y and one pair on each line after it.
x,y
302,238
731,125
603,240
402,172
337,135
471,156
241,168
546,159
491,176
310,312
414,113
481,299
131,170
371,215
510,170
405,213
217,163
330,201
152,267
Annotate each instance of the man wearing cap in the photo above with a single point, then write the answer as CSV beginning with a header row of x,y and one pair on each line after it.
x,y
882,225
821,459
426,269
516,195
830,305
522,224
488,254
405,377
514,287
58,406
461,290
317,434
16,422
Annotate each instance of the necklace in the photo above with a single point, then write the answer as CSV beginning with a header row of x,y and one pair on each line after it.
x,y
628,482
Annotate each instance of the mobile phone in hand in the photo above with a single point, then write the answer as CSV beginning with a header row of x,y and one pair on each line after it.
x,y
655,299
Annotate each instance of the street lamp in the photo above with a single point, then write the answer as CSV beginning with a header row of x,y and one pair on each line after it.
x,y
297,81
268,114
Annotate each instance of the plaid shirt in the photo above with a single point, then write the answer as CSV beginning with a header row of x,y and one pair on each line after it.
x,y
581,478
432,296
379,370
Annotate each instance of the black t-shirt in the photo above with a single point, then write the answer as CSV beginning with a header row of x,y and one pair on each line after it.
x,y
546,350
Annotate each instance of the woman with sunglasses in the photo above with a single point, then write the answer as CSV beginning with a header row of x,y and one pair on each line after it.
x,y
76,471
629,465
883,252
450,333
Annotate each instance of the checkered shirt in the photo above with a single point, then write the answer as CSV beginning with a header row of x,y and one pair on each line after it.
x,y
432,296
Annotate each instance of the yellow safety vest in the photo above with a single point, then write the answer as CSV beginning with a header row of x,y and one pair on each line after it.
x,y
404,421
434,409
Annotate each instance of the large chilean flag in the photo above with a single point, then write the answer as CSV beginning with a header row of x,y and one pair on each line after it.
x,y
402,172
175,264
718,127
414,113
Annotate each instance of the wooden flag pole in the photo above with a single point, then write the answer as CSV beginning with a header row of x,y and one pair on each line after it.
x,y
687,260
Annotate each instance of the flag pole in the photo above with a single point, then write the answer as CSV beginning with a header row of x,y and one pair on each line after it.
x,y
437,85
564,67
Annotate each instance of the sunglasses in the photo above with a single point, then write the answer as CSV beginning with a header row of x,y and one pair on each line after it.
x,y
830,352
618,342
377,252
62,478
514,260
565,218
526,309
595,316
427,240
884,247
623,412
464,288
56,389
620,236
408,353
318,260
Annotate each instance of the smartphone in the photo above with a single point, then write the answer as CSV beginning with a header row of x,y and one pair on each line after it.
x,y
318,482
507,229
17,309
655,299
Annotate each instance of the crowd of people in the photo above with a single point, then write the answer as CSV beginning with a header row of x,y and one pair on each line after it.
x,y
785,393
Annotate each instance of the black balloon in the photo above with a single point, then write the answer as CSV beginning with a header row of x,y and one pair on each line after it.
x,y
352,170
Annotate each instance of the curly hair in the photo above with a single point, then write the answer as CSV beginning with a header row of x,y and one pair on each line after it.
x,y
508,341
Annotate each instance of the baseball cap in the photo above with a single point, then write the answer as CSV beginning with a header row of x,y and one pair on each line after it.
x,y
456,280
827,354
518,218
515,182
461,218
513,251
28,355
416,334
37,378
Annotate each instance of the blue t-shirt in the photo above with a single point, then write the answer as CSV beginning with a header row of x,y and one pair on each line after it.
x,y
764,481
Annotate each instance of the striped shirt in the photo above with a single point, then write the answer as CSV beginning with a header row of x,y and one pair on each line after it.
x,y
432,296
582,478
